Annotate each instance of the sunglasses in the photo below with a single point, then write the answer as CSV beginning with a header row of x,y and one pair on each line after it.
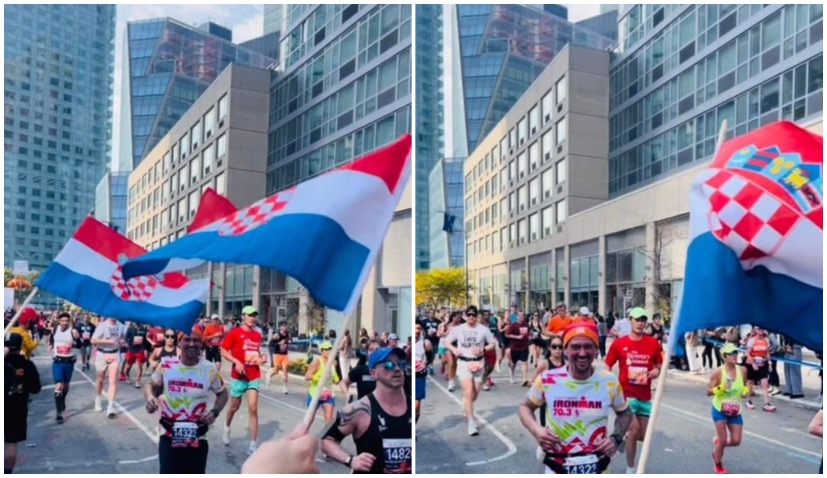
x,y
390,365
640,319
730,354
327,349
556,347
169,336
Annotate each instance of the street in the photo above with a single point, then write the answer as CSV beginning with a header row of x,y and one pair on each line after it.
x,y
772,443
89,442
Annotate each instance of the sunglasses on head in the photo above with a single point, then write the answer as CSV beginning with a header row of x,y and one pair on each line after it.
x,y
390,365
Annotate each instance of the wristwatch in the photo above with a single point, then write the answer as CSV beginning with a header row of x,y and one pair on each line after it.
x,y
348,461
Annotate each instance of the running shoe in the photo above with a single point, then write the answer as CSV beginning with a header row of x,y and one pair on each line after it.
x,y
59,418
720,470
750,405
486,387
137,384
451,386
226,436
284,389
98,407
472,429
525,383
122,378
267,379
110,412
252,448
768,407
490,382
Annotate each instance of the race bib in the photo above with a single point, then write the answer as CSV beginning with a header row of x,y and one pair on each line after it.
x,y
523,331
86,335
251,357
581,465
420,366
731,409
637,375
759,361
138,340
185,434
397,455
63,349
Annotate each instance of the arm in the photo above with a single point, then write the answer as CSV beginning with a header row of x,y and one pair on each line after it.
x,y
311,370
33,376
817,425
354,420
713,387
153,390
611,356
490,342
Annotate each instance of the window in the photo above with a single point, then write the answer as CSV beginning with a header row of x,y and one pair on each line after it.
x,y
560,90
522,197
207,158
561,211
185,144
548,141
533,227
534,191
512,170
195,135
522,164
221,146
182,209
195,169
548,220
534,155
521,228
220,183
167,161
194,199
522,131
209,123
561,131
533,120
560,169
182,179
546,183
512,202
222,107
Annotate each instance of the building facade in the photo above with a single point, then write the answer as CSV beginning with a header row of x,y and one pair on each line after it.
x,y
170,65
219,143
447,214
273,18
58,85
111,200
545,160
344,89
429,120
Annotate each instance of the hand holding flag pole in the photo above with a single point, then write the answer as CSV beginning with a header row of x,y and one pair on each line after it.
x,y
673,338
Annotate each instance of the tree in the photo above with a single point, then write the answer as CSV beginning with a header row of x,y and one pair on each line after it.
x,y
441,287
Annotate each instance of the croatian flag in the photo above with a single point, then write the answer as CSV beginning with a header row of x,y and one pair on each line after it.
x,y
87,272
324,232
756,236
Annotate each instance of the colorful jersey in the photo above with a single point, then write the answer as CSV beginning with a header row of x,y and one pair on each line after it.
x,y
558,324
578,411
730,402
186,390
758,350
245,345
211,330
317,377
636,359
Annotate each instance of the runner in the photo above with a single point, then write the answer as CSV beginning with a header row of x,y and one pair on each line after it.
x,y
108,337
168,350
180,388
424,349
360,375
136,348
213,335
242,348
447,354
327,401
558,324
472,341
490,355
503,341
572,444
536,342
380,423
63,361
758,367
85,329
431,325
279,348
518,335
551,358
726,386
641,359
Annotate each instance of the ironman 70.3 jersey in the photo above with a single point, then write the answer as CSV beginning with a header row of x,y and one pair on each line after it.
x,y
578,411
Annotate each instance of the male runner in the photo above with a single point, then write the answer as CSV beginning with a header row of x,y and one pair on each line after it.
x,y
63,361
758,367
490,355
181,388
423,349
641,359
136,348
472,341
108,337
380,423
431,325
361,376
558,324
213,335
576,438
280,349
85,329
517,334
242,348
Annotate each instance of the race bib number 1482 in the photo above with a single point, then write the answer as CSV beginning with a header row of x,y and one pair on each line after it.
x,y
397,455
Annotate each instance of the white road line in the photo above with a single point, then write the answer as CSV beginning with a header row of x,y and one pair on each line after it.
x,y
754,435
152,436
512,448
142,460
76,382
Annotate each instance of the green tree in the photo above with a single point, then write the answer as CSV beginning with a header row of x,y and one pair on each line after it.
x,y
441,287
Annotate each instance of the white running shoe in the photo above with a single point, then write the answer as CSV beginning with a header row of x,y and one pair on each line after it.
x,y
98,406
226,437
631,470
284,389
267,379
252,448
110,411
451,386
472,429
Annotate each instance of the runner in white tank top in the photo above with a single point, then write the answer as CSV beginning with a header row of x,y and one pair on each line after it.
x,y
63,361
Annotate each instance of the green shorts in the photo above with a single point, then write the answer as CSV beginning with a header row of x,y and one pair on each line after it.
x,y
640,408
239,387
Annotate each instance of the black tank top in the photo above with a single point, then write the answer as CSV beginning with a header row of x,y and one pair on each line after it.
x,y
388,439
164,353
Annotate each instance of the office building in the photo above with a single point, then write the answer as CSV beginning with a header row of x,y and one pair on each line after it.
x,y
267,44
604,24
273,18
219,143
58,85
677,73
557,10
429,119
343,90
111,198
447,214
169,66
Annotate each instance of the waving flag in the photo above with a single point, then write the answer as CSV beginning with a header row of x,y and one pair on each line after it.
x,y
756,236
87,272
324,232
212,207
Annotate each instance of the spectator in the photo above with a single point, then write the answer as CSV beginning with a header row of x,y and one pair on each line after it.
x,y
694,351
817,428
21,379
26,320
792,372
603,330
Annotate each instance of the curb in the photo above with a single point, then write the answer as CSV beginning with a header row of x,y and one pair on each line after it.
x,y
811,405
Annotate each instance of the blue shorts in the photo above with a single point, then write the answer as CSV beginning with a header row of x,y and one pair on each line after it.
x,y
329,401
730,419
62,372
420,388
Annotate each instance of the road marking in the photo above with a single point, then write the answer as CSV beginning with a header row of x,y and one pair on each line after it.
x,y
803,457
142,460
754,435
76,382
512,448
152,436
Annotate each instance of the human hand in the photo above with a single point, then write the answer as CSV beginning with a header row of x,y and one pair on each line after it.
x,y
362,462
208,418
298,452
152,405
547,439
239,368
606,447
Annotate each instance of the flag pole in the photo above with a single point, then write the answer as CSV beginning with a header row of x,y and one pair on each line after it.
x,y
673,340
20,310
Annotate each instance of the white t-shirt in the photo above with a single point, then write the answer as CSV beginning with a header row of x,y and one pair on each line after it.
x,y
108,331
623,328
470,338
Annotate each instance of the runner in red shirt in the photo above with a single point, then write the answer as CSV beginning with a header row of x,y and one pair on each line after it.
x,y
640,358
242,348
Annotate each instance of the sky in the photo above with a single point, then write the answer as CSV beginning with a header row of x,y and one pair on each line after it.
x,y
582,12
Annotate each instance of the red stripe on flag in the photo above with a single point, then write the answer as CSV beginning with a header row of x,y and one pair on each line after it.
x,y
106,242
212,207
386,163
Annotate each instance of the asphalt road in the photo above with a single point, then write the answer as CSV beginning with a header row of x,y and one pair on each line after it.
x,y
773,442
89,442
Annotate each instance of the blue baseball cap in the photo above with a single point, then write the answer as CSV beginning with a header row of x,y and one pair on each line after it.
x,y
382,355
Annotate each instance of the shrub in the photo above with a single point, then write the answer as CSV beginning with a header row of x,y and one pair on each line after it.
x,y
298,367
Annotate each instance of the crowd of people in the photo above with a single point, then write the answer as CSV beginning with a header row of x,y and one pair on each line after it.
x,y
180,373
581,350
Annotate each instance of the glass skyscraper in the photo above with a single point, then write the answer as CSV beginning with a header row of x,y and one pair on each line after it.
x,y
273,18
170,65
504,48
680,70
111,199
447,214
429,119
59,61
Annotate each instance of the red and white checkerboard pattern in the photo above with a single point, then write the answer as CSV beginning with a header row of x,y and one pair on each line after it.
x,y
253,216
139,289
746,217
